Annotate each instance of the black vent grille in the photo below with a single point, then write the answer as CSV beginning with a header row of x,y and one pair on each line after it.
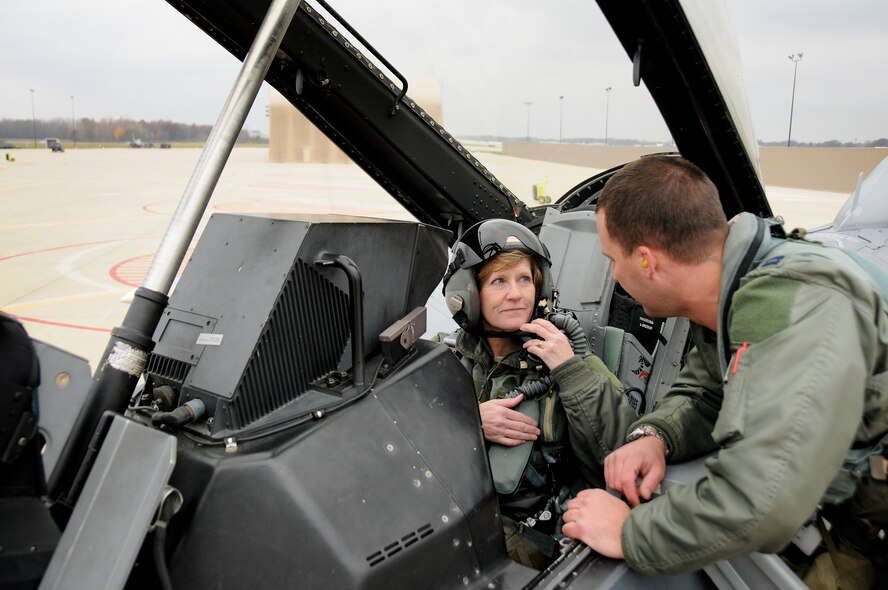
x,y
303,340
399,545
167,368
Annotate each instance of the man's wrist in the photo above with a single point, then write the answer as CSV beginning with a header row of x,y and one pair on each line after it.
x,y
649,430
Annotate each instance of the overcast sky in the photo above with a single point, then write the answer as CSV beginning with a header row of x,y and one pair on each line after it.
x,y
140,59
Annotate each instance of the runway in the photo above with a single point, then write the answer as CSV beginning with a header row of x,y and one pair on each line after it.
x,y
79,229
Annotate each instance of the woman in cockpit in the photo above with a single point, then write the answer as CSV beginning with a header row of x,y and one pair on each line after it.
x,y
550,410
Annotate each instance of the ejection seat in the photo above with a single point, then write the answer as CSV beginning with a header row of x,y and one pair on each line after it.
x,y
643,352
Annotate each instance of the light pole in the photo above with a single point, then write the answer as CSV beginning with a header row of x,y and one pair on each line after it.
x,y
73,124
795,58
561,118
528,105
33,117
607,111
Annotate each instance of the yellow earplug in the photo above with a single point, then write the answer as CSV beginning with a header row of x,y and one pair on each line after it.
x,y
644,263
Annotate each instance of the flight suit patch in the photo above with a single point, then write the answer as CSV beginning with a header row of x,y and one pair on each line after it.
x,y
772,261
761,307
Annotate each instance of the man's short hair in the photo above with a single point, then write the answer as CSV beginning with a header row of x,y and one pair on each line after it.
x,y
665,202
506,260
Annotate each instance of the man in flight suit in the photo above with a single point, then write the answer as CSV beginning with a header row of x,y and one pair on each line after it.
x,y
787,379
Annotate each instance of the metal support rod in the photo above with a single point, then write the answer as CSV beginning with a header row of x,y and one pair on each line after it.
x,y
356,295
206,174
795,58
528,104
126,355
33,117
73,122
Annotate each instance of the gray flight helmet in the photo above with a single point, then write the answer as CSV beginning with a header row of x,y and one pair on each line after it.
x,y
480,243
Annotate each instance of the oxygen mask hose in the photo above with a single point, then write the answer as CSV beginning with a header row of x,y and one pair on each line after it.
x,y
185,414
532,388
567,323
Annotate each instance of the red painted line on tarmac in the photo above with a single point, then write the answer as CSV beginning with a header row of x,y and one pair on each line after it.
x,y
55,248
132,271
60,324
147,208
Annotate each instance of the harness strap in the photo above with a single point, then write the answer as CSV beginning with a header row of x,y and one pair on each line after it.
x,y
745,264
508,464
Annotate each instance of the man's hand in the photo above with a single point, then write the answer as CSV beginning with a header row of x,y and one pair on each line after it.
x,y
645,458
505,426
596,518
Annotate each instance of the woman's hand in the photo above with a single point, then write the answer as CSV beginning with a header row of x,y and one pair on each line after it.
x,y
505,426
550,345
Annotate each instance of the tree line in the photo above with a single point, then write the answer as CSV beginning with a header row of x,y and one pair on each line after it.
x,y
112,130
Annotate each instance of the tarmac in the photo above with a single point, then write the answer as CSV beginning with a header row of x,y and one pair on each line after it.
x,y
78,229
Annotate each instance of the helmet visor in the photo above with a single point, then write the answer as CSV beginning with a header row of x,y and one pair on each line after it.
x,y
488,238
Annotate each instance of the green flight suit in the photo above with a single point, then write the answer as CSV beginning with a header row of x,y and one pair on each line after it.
x,y
806,380
585,404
